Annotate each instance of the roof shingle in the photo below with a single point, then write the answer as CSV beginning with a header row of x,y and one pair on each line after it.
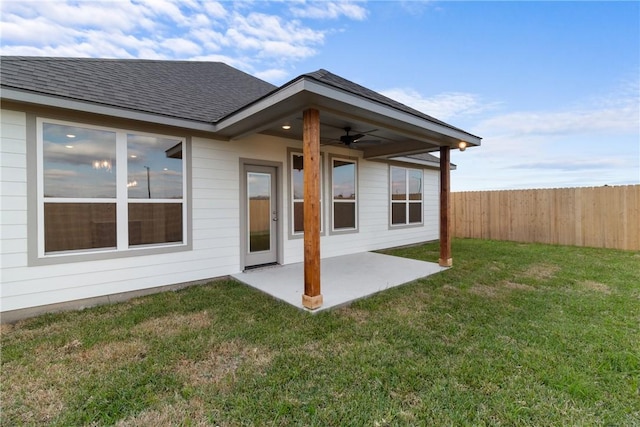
x,y
201,91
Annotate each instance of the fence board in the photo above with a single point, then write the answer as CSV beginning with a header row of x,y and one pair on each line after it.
x,y
606,217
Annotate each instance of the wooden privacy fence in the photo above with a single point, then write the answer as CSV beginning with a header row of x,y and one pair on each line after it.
x,y
604,217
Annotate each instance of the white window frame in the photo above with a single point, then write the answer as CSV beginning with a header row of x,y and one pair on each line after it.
x,y
407,201
121,200
334,201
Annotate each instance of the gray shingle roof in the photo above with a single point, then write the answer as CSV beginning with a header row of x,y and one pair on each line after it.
x,y
201,91
336,81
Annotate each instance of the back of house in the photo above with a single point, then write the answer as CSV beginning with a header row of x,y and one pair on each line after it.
x,y
124,177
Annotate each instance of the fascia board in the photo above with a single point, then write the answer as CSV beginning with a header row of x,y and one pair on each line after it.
x,y
435,165
88,107
394,114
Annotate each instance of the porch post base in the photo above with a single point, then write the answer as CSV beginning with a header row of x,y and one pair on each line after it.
x,y
445,262
312,302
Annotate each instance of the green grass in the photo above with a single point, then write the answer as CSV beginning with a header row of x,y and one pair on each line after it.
x,y
514,334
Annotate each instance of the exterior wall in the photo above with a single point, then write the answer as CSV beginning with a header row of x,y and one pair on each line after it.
x,y
215,223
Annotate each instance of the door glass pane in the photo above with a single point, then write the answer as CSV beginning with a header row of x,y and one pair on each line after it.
x,y
259,206
78,162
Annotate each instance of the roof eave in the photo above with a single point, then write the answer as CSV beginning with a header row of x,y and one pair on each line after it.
x,y
34,98
305,92
426,163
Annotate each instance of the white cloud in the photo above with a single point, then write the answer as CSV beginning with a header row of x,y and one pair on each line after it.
x,y
330,10
443,106
182,46
593,142
624,118
272,75
250,35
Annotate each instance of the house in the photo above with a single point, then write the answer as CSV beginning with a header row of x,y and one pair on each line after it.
x,y
121,177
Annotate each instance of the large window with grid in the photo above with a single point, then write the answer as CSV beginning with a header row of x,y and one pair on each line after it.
x,y
102,189
406,196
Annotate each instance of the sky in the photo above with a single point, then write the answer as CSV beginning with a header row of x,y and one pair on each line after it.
x,y
553,88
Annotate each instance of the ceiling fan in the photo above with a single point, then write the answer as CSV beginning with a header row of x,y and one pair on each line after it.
x,y
350,139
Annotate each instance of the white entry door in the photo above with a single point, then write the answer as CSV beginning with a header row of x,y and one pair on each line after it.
x,y
261,215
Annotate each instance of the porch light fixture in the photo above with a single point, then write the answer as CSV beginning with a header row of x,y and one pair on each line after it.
x,y
286,127
462,145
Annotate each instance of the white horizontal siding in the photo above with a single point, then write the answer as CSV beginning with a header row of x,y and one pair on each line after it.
x,y
13,188
215,223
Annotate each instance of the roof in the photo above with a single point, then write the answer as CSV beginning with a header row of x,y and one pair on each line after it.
x,y
336,81
201,91
217,98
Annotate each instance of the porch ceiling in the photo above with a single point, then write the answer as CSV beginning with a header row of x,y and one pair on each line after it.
x,y
389,132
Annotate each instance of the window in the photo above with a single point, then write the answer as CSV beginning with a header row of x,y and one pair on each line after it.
x,y
406,196
107,189
344,194
296,169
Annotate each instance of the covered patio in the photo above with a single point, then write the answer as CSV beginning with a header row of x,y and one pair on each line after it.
x,y
321,108
344,279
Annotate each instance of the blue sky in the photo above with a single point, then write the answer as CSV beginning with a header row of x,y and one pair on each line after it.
x,y
553,88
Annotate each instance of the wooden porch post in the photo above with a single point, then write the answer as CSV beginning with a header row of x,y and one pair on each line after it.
x,y
312,298
445,208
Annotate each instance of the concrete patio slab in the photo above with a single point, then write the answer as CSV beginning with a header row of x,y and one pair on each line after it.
x,y
344,279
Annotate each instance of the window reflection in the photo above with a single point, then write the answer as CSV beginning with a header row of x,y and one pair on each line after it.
x,y
406,196
154,167
297,193
259,192
344,180
344,195
415,184
398,184
78,162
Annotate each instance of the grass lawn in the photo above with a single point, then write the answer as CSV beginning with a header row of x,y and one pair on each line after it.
x,y
514,334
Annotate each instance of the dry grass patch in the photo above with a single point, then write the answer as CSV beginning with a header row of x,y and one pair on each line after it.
x,y
517,286
450,288
192,413
485,291
105,356
33,396
355,314
174,324
220,365
541,271
595,286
